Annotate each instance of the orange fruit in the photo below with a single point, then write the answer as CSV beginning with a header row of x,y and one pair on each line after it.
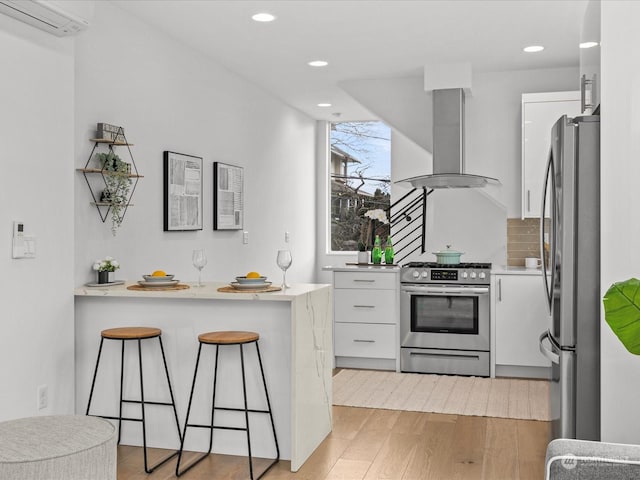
x,y
159,273
253,275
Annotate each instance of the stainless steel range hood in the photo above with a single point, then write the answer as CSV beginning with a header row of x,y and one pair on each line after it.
x,y
448,146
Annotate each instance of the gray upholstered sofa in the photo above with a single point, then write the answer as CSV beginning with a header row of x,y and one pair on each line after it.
x,y
585,460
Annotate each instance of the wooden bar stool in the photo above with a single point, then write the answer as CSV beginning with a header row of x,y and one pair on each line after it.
x,y
138,334
228,339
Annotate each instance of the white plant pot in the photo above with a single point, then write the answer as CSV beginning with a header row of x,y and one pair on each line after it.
x,y
363,257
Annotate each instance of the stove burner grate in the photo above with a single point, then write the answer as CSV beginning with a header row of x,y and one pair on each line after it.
x,y
445,265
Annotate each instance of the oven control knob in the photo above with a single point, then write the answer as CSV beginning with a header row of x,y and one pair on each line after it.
x,y
425,274
416,274
482,275
473,274
465,274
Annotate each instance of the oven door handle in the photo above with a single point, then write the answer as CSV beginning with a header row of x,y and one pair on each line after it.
x,y
446,290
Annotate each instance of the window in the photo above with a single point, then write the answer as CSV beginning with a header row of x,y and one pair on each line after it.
x,y
360,176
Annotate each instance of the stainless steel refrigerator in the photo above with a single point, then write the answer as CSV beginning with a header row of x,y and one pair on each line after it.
x,y
571,276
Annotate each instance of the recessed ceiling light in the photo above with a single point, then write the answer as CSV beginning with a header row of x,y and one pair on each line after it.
x,y
533,48
324,104
263,17
588,44
318,63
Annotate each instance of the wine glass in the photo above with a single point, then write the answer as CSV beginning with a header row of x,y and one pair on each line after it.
x,y
284,261
199,259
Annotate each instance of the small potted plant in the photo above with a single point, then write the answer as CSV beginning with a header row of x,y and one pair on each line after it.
x,y
104,269
363,256
117,182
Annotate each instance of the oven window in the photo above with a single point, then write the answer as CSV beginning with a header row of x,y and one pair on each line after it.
x,y
444,314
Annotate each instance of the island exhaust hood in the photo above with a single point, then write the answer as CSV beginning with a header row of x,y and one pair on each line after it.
x,y
448,146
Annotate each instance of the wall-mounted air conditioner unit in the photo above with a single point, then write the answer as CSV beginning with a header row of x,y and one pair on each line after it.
x,y
59,17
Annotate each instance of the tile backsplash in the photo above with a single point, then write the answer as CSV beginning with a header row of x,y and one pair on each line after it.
x,y
523,240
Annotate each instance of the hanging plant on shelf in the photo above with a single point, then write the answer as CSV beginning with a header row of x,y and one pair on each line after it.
x,y
118,183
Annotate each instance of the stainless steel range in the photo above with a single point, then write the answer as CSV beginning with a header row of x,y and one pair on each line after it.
x,y
444,318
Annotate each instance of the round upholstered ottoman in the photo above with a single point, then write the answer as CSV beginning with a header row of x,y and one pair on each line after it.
x,y
61,447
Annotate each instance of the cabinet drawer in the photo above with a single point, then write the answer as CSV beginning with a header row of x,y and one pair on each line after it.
x,y
365,306
373,280
365,340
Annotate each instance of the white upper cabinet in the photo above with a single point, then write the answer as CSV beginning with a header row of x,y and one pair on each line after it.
x,y
590,57
539,112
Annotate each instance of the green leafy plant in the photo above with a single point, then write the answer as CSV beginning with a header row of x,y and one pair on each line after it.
x,y
622,312
362,247
118,183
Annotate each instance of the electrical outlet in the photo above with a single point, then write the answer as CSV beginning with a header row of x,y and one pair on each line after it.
x,y
287,236
43,397
245,237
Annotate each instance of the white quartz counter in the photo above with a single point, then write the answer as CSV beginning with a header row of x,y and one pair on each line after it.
x,y
209,292
362,268
507,270
296,331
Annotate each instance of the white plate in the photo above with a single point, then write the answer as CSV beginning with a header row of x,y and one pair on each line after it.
x,y
109,284
167,283
245,280
250,286
151,278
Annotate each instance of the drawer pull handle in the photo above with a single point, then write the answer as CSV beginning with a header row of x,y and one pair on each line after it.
x,y
364,341
364,281
444,355
364,306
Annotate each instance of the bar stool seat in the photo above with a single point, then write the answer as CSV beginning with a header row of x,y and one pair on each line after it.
x,y
226,339
131,333
137,334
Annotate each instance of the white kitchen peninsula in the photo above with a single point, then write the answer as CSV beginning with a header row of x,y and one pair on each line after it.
x,y
295,328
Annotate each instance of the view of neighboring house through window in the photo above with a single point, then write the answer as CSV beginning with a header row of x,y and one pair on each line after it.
x,y
360,184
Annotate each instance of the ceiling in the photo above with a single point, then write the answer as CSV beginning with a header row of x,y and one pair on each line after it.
x,y
365,39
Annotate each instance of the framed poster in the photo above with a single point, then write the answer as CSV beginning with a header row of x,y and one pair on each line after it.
x,y
182,192
228,197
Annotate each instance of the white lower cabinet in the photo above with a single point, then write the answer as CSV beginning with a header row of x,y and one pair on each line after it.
x,y
520,316
366,312
368,340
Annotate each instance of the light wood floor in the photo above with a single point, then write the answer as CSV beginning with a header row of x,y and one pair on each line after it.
x,y
384,444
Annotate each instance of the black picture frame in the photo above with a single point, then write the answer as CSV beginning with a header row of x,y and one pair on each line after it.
x,y
228,197
182,191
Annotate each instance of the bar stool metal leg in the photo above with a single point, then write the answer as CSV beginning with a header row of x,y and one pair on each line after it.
x,y
121,390
246,409
95,373
266,393
142,402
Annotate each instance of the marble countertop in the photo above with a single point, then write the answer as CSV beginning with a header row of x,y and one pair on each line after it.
x,y
208,291
508,270
363,268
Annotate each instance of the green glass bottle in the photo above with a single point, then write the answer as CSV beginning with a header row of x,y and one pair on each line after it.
x,y
388,252
376,253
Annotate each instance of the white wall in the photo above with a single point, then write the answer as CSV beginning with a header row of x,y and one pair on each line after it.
x,y
169,97
620,170
473,221
36,121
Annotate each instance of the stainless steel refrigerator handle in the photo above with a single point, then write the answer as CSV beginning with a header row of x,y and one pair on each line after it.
x,y
547,291
583,93
548,352
499,289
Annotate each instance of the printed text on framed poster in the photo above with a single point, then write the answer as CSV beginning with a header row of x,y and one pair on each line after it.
x,y
182,192
228,197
